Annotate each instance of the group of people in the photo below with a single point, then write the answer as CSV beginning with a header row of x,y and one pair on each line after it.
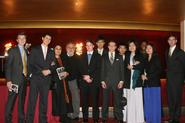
x,y
127,71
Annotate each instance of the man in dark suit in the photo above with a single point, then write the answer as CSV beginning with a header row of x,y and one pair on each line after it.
x,y
40,63
16,72
90,70
175,60
122,50
100,42
112,79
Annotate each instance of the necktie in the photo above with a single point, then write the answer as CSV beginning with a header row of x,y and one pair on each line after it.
x,y
111,58
25,71
170,52
89,58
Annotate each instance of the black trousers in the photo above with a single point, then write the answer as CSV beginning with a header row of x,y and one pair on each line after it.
x,y
117,96
38,86
11,102
174,91
90,92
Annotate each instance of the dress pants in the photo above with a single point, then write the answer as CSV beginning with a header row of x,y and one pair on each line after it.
x,y
38,86
11,102
90,92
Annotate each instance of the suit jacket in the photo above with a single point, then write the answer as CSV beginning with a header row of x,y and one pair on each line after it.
x,y
153,70
93,69
37,63
175,65
112,74
14,66
139,67
104,52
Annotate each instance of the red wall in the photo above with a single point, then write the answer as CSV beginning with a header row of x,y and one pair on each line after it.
x,y
62,36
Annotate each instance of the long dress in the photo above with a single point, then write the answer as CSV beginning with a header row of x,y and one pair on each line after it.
x,y
59,105
133,112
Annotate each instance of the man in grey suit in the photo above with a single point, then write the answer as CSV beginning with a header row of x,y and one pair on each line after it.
x,y
16,72
112,79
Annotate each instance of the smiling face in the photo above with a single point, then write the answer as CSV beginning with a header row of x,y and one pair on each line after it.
x,y
58,50
132,47
100,44
149,49
70,48
112,46
122,49
46,40
21,40
172,41
89,46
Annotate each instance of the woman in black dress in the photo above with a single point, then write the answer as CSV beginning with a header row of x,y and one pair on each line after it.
x,y
61,98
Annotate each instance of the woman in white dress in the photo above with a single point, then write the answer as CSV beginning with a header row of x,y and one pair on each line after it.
x,y
133,112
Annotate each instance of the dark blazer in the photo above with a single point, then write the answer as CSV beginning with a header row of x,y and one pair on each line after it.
x,y
104,52
153,70
112,74
37,63
176,62
14,66
93,69
138,57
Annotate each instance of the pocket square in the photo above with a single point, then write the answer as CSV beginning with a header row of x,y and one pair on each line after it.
x,y
52,63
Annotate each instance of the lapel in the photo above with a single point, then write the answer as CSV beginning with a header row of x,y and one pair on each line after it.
x,y
108,60
19,54
41,52
174,54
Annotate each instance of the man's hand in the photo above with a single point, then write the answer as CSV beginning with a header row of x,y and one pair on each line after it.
x,y
46,72
9,85
120,84
87,78
130,67
103,84
143,77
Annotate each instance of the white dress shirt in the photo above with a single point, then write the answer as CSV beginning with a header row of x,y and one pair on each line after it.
x,y
44,50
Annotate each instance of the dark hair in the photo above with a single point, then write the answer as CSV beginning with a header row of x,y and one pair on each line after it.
x,y
90,41
123,45
21,33
112,41
153,48
172,35
45,34
100,37
135,42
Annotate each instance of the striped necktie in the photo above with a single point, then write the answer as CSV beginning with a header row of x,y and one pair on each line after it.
x,y
24,61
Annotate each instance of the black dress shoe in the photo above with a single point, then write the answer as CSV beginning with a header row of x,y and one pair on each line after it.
x,y
85,120
76,119
95,121
170,121
104,121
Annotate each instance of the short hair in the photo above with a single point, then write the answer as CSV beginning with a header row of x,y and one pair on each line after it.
x,y
123,45
90,41
112,41
21,33
172,35
45,34
100,37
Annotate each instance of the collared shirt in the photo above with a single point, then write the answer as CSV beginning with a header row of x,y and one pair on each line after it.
x,y
91,52
44,50
21,48
171,50
112,53
100,51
